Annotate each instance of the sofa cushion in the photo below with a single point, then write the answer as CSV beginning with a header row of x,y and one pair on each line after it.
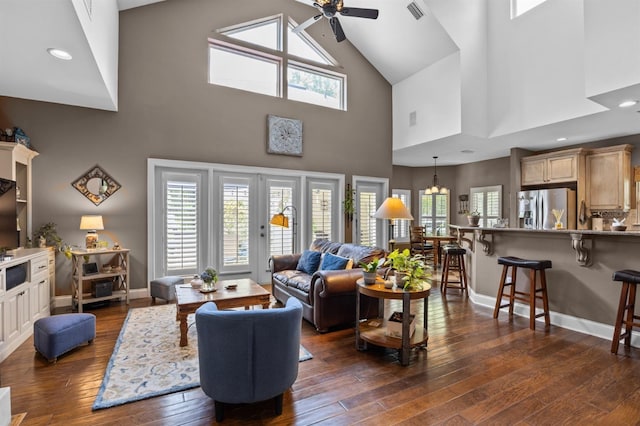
x,y
333,262
325,246
309,261
360,254
295,279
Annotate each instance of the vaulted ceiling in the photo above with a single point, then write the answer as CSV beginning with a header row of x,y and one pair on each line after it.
x,y
402,48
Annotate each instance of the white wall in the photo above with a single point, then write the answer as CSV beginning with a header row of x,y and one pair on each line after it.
x,y
536,66
101,31
434,94
610,64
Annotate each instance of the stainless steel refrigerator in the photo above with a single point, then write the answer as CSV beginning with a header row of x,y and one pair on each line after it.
x,y
535,208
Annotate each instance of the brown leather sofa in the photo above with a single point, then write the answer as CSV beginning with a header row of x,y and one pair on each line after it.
x,y
328,297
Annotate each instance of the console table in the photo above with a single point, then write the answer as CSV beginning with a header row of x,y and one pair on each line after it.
x,y
374,331
119,275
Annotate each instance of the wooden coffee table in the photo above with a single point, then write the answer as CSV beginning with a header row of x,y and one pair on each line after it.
x,y
247,293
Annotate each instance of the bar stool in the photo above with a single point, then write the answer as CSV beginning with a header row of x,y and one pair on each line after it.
x,y
534,266
629,280
453,262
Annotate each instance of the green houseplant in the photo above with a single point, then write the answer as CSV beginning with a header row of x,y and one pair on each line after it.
x,y
411,271
49,234
369,269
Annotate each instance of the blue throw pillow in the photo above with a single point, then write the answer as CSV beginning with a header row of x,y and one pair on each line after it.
x,y
332,262
309,261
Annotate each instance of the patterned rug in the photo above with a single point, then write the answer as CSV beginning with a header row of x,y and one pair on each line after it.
x,y
148,361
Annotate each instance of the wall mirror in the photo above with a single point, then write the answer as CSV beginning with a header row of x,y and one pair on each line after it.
x,y
96,185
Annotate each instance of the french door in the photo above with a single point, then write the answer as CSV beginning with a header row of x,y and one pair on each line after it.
x,y
370,193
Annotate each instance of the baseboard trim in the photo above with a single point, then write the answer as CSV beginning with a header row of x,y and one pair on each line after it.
x,y
65,301
581,325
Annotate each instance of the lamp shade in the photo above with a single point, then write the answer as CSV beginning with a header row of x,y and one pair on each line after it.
x,y
393,208
91,222
279,219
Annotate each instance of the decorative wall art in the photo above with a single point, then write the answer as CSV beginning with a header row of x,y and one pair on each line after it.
x,y
285,136
96,185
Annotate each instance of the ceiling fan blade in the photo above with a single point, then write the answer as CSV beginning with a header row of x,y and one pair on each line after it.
x,y
337,29
306,24
359,12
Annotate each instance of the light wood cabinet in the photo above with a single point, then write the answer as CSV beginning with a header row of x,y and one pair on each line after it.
x,y
119,277
15,164
555,167
609,178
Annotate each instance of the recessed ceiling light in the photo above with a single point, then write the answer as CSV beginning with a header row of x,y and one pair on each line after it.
x,y
467,151
59,53
627,104
561,139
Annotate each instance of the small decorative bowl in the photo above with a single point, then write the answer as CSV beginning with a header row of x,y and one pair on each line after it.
x,y
106,269
618,227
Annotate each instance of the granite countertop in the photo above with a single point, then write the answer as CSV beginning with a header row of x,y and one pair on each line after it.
x,y
628,232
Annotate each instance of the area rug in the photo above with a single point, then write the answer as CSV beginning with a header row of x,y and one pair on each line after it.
x,y
147,360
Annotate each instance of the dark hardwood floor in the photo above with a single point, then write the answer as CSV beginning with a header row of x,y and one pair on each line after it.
x,y
476,370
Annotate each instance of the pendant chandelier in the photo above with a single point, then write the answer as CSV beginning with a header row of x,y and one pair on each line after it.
x,y
436,188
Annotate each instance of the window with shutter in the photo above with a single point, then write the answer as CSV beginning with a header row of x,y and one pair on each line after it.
x,y
434,213
321,215
181,230
401,227
235,223
366,210
280,238
487,200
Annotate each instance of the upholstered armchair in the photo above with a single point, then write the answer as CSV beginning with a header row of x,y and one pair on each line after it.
x,y
250,355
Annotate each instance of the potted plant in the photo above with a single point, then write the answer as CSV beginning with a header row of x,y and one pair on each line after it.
x,y
370,270
47,235
411,271
473,218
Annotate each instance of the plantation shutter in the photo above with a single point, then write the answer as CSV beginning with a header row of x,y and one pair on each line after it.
x,y
366,210
321,213
181,227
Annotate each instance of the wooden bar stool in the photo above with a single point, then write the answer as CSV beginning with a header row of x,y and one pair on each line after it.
x,y
528,297
453,262
626,308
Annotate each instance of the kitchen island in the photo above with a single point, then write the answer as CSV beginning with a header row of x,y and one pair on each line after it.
x,y
582,295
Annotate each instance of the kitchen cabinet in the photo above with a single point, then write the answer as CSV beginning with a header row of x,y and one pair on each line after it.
x,y
609,178
553,167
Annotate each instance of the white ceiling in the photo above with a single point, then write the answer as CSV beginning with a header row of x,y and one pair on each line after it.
x,y
396,44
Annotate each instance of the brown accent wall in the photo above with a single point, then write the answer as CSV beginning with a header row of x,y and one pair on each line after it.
x,y
168,110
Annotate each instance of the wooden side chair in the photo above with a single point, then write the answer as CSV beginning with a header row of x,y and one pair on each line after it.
x,y
419,243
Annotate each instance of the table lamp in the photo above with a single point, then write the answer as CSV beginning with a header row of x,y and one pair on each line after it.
x,y
91,223
392,208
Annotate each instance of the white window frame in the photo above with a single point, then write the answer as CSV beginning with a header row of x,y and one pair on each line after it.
x,y
334,187
240,47
401,227
212,210
485,219
434,218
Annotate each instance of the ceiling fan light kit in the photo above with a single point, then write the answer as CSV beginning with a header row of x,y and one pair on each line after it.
x,y
329,9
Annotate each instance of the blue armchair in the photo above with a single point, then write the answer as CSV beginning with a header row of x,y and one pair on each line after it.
x,y
248,356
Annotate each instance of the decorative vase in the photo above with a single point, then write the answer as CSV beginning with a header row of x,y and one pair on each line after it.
x,y
196,282
473,220
369,277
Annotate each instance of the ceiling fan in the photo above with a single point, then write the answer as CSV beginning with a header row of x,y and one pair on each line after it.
x,y
329,9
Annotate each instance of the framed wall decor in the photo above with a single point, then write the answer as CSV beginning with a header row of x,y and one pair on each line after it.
x,y
96,185
285,136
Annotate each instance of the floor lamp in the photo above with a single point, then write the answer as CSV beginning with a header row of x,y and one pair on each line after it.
x,y
393,209
279,219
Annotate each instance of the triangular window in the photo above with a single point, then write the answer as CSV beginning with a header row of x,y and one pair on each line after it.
x,y
264,32
303,46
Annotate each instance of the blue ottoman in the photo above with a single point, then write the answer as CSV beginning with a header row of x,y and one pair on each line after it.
x,y
57,334
164,288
